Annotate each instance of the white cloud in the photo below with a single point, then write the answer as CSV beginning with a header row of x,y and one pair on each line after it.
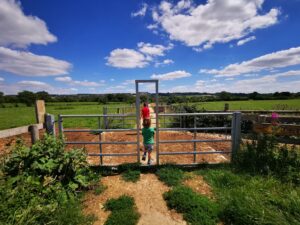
x,y
20,30
84,83
1,79
230,78
112,79
126,58
217,21
153,50
164,62
28,64
171,75
244,41
63,79
270,61
141,12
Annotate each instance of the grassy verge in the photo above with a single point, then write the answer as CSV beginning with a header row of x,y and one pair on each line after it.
x,y
131,175
197,209
123,211
171,176
245,199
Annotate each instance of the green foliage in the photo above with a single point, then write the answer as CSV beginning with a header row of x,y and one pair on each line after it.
x,y
171,176
27,97
246,200
123,211
99,189
266,156
196,209
39,185
131,175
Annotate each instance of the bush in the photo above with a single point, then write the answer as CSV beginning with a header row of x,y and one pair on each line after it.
x,y
40,185
196,209
257,200
265,156
123,211
171,176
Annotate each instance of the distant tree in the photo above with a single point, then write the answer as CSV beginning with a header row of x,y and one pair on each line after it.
x,y
253,95
43,95
1,97
103,99
26,97
224,95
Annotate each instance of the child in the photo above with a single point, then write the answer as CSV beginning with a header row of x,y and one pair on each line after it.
x,y
148,136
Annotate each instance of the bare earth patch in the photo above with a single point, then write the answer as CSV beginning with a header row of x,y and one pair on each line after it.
x,y
147,193
198,184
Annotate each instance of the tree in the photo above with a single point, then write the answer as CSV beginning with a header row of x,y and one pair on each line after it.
x,y
27,97
1,97
43,95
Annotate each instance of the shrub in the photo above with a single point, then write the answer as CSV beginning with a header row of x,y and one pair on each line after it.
x,y
171,176
123,211
39,185
196,209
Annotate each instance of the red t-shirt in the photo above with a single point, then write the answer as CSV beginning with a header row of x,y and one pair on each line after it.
x,y
145,113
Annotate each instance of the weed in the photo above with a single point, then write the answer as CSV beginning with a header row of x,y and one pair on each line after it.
x,y
99,189
196,209
123,211
170,175
131,175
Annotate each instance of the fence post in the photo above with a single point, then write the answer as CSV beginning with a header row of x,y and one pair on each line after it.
x,y
60,125
235,133
195,137
34,131
105,117
100,139
138,124
50,124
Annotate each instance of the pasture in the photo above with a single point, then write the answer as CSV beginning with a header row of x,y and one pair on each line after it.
x,y
12,116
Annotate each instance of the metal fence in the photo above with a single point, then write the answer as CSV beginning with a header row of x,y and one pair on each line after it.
x,y
234,128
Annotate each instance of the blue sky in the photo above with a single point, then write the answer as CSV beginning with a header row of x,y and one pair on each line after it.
x,y
69,47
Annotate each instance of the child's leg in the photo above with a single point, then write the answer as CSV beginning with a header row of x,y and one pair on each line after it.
x,y
144,154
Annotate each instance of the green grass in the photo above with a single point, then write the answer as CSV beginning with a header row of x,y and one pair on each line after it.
x,y
171,176
123,211
20,116
197,209
245,199
131,175
291,104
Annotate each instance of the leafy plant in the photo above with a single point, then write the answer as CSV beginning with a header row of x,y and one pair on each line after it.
x,y
131,175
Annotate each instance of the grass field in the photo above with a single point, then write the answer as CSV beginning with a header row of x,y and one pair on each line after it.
x,y
291,104
12,116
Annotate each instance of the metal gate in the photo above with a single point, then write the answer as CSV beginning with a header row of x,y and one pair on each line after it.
x,y
234,128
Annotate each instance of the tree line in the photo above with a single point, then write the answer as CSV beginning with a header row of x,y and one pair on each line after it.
x,y
28,97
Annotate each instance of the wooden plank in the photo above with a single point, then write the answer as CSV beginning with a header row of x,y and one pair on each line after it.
x,y
281,129
17,131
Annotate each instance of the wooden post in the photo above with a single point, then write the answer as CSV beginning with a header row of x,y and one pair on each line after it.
x,y
50,124
34,131
40,111
226,107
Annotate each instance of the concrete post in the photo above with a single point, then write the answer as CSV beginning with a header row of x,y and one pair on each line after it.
x,y
40,111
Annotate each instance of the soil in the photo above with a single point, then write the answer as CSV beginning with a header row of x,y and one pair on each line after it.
x,y
148,196
198,184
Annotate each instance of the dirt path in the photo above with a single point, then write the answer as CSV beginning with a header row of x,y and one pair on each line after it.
x,y
147,193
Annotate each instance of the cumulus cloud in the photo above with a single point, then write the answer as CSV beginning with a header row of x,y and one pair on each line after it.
x,y
130,58
216,21
279,59
171,75
28,64
126,58
153,50
164,62
1,79
84,83
20,30
141,12
244,41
